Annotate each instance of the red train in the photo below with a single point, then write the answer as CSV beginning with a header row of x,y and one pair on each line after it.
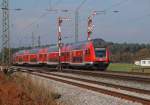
x,y
88,54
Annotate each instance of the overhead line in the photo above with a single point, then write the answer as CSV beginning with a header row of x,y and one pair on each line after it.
x,y
58,1
35,21
116,4
42,16
138,18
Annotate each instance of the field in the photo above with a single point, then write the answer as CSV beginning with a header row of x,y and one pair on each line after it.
x,y
126,67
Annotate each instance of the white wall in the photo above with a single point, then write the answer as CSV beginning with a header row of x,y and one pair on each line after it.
x,y
145,63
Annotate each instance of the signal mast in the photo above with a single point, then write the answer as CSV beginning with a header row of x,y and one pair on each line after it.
x,y
90,22
90,25
59,43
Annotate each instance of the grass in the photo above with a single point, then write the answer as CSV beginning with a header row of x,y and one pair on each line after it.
x,y
126,67
40,95
121,67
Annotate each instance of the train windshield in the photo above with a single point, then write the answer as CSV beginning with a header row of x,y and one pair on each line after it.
x,y
100,52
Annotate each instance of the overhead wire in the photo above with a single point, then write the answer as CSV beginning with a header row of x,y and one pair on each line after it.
x,y
40,17
116,5
134,19
35,21
58,1
137,19
113,5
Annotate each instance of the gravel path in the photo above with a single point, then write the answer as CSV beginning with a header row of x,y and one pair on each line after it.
x,y
72,95
133,84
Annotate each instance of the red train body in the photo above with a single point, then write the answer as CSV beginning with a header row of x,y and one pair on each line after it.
x,y
88,54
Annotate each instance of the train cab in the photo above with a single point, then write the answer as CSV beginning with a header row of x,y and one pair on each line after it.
x,y
101,53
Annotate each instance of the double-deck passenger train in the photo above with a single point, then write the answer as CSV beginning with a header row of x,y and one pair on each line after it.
x,y
92,54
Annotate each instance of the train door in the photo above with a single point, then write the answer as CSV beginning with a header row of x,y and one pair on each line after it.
x,y
26,58
87,55
33,59
77,56
43,58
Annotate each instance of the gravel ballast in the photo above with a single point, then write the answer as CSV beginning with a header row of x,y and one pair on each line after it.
x,y
72,95
116,81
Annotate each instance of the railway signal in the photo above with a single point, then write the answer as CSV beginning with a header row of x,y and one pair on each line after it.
x,y
59,23
90,27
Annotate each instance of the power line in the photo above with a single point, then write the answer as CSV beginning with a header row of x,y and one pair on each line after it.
x,y
77,20
116,5
58,2
40,17
34,22
138,18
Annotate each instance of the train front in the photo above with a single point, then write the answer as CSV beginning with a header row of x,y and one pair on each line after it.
x,y
101,60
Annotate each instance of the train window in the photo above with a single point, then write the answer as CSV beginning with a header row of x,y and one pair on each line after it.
x,y
26,57
53,59
63,54
33,60
100,52
45,55
40,55
67,54
77,59
87,51
143,62
20,59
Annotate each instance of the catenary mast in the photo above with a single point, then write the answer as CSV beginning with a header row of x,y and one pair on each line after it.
x,y
6,55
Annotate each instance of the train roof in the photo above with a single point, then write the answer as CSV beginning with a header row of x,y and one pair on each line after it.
x,y
76,46
20,52
53,48
99,43
34,51
82,44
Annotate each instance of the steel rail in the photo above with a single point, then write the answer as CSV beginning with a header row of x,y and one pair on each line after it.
x,y
131,73
97,89
102,83
113,75
130,77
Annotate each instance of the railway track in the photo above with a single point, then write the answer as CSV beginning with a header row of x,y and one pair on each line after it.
x,y
114,75
133,94
132,73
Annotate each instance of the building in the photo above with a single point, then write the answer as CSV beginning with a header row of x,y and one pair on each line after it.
x,y
143,62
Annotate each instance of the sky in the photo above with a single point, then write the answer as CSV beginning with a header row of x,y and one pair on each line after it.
x,y
131,24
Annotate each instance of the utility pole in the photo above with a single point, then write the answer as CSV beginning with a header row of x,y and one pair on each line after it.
x,y
6,53
33,40
59,42
77,21
39,41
